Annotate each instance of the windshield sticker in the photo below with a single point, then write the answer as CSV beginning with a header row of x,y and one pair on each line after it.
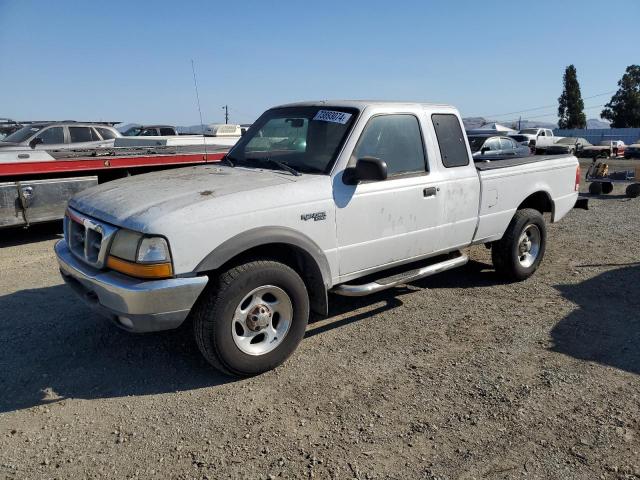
x,y
332,116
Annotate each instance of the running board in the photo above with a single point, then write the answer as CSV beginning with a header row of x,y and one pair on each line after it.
x,y
349,290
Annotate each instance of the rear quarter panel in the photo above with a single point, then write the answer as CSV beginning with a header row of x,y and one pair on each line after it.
x,y
504,189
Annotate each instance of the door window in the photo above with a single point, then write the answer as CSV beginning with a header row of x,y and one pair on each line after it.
x,y
453,148
81,134
397,140
167,131
493,144
507,144
52,136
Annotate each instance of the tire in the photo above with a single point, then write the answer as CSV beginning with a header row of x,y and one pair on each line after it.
x,y
224,334
509,255
595,188
607,188
633,190
539,151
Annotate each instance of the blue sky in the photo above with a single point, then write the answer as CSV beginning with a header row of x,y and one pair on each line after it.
x,y
131,61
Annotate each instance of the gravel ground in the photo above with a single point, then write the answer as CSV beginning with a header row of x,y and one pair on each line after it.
x,y
457,376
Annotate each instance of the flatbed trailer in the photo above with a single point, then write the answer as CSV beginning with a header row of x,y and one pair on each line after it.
x,y
603,184
35,186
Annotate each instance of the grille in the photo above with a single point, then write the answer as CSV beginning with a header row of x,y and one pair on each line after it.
x,y
87,238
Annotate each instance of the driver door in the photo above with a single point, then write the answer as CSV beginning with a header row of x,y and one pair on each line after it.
x,y
394,220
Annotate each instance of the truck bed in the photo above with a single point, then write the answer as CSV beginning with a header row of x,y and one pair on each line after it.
x,y
512,162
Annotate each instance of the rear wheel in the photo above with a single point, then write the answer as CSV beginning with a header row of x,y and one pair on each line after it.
x,y
253,318
607,187
519,253
633,190
595,188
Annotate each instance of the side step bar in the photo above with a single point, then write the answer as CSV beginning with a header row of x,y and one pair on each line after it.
x,y
349,290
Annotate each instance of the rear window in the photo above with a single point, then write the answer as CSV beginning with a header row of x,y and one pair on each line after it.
x,y
453,148
167,131
106,133
81,134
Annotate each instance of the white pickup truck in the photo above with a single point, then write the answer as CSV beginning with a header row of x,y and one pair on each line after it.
x,y
539,138
349,197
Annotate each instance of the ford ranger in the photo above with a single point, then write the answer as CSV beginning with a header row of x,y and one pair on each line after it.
x,y
345,197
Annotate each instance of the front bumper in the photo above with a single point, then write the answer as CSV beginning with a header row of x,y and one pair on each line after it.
x,y
134,305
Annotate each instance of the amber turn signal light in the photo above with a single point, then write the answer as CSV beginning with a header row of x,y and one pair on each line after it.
x,y
140,270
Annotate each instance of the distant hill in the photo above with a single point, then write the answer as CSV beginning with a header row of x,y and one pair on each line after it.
x,y
595,123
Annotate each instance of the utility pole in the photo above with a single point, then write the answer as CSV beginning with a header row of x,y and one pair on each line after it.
x,y
519,123
226,113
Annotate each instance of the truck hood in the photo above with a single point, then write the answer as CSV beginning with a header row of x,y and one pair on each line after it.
x,y
140,201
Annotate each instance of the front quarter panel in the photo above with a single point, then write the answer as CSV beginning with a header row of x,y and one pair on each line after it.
x,y
305,207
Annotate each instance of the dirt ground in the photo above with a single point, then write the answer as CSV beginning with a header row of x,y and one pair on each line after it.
x,y
458,376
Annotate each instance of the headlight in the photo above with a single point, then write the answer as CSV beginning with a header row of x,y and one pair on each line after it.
x,y
153,250
138,256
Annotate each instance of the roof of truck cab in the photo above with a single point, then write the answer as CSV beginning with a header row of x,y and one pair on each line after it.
x,y
360,104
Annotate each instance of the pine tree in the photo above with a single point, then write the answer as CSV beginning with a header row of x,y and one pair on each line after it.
x,y
624,108
571,106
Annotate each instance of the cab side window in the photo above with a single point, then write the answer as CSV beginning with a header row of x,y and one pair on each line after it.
x,y
397,140
52,136
453,148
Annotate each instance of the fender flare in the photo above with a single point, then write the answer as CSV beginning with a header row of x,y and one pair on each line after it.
x,y
256,237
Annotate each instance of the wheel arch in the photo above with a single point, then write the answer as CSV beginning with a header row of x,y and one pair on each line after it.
x,y
279,243
540,201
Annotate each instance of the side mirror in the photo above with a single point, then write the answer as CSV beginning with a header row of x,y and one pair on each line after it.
x,y
35,141
366,168
484,149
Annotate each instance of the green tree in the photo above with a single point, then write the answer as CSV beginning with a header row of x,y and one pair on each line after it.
x,y
570,104
624,108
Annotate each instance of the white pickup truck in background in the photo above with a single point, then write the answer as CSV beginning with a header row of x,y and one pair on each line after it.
x,y
539,138
347,197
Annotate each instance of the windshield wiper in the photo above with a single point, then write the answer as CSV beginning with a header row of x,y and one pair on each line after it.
x,y
283,166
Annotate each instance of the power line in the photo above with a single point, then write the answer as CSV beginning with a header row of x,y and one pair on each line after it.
x,y
540,108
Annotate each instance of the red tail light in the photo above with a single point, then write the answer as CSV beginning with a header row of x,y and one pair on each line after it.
x,y
577,178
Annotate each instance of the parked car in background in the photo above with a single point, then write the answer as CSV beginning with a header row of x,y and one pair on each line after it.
x,y
539,138
150,131
8,126
633,150
568,145
60,136
492,147
605,149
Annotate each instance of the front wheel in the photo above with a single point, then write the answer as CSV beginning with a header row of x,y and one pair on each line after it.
x,y
252,319
519,253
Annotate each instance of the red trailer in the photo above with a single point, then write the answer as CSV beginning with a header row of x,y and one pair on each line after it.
x,y
36,185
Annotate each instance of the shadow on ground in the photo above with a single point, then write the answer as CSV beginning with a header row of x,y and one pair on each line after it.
x,y
54,347
605,328
36,233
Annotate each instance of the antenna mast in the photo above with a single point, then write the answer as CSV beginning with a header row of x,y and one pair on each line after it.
x,y
195,84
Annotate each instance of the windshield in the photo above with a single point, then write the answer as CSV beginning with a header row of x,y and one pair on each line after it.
x,y
307,139
476,143
529,131
520,138
23,134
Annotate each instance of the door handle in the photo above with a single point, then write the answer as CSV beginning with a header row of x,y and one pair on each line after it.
x,y
430,191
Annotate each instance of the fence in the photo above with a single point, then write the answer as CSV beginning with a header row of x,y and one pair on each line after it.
x,y
597,135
